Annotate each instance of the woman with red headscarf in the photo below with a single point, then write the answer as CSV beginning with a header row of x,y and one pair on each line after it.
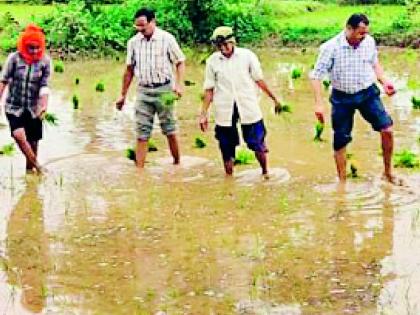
x,y
26,74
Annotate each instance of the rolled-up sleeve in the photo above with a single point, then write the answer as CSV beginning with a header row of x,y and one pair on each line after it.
x,y
175,53
7,72
210,77
130,59
255,68
323,64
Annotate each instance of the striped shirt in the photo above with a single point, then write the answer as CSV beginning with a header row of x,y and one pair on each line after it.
x,y
24,82
153,59
350,69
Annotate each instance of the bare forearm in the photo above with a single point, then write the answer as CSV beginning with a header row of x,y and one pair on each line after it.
x,y
316,87
263,86
127,78
179,73
208,98
379,71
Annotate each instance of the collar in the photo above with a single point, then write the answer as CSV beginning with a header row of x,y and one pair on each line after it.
x,y
155,36
344,43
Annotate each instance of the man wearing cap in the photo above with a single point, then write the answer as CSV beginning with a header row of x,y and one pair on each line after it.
x,y
151,55
351,60
232,78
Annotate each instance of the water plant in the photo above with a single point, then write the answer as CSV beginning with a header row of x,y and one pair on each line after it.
x,y
51,119
319,129
416,102
199,142
77,81
326,84
168,99
7,149
283,108
296,73
406,159
100,87
151,145
75,101
244,156
59,66
130,153
189,83
354,166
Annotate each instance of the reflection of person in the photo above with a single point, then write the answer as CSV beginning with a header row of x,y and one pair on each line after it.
x,y
351,60
151,55
26,248
232,78
26,74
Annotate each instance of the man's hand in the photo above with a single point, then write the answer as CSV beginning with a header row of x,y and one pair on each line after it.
x,y
178,89
277,107
42,109
204,122
320,112
120,103
389,88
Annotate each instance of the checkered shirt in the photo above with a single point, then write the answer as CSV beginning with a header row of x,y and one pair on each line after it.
x,y
350,69
25,82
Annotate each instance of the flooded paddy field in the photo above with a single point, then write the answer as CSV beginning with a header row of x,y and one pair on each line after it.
x,y
96,236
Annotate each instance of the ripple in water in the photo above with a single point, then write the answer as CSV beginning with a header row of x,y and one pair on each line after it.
x,y
253,176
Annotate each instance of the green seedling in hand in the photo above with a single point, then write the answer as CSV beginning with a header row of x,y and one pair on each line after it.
x,y
51,119
285,108
168,99
7,149
319,129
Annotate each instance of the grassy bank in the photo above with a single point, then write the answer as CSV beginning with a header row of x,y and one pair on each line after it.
x,y
73,29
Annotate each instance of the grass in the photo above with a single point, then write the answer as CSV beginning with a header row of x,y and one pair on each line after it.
x,y
100,87
24,13
58,66
75,101
416,102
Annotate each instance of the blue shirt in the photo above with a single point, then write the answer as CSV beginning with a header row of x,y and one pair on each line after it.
x,y
350,69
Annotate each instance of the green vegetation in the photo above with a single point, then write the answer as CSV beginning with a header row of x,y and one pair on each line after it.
x,y
75,101
58,66
77,81
151,145
416,102
319,129
189,83
51,119
130,153
100,87
199,142
406,159
244,156
296,73
283,108
326,84
7,149
354,167
168,99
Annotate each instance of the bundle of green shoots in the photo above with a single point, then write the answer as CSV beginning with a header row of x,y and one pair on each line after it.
x,y
319,129
168,99
406,159
51,119
199,142
283,108
416,102
244,156
7,149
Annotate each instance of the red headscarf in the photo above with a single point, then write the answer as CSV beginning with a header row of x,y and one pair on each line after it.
x,y
33,35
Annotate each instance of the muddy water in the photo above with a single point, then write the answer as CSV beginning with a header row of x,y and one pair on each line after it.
x,y
95,236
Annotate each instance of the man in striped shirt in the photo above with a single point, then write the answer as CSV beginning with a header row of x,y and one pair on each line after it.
x,y
151,56
351,61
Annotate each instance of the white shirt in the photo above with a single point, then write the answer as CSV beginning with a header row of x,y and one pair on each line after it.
x,y
233,81
350,69
153,59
